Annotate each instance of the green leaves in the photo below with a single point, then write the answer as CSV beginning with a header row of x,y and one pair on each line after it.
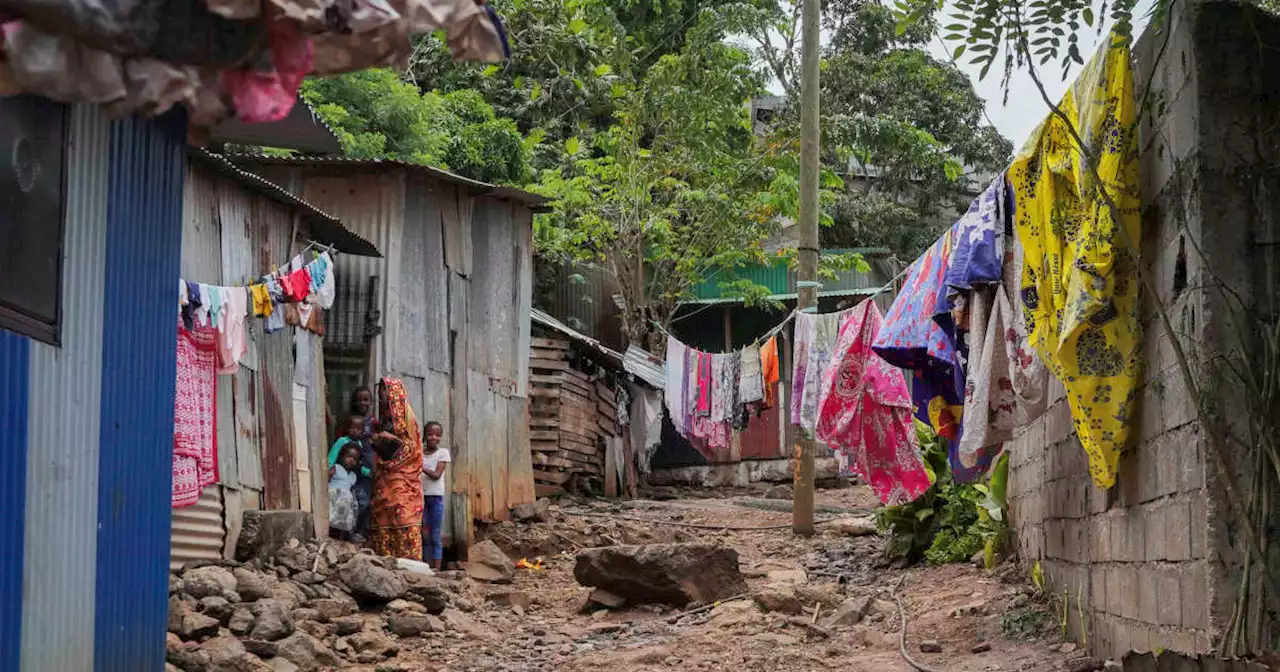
x,y
571,146
576,26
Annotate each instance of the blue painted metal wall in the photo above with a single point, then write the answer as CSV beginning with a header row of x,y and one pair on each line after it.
x,y
13,480
144,236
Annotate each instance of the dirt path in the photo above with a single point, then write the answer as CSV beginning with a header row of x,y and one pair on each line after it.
x,y
959,606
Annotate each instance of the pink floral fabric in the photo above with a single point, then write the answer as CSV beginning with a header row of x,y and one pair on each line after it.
x,y
195,421
865,412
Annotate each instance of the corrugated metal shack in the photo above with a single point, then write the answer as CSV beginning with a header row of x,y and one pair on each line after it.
x,y
579,444
446,311
272,435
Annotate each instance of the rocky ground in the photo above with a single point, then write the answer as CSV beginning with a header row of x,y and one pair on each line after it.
x,y
727,599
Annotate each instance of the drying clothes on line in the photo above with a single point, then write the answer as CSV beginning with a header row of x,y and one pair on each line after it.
x,y
816,337
673,393
1079,284
275,319
646,425
214,294
296,285
232,344
262,305
192,305
918,334
322,284
978,240
1029,376
769,369
866,414
724,402
751,382
195,437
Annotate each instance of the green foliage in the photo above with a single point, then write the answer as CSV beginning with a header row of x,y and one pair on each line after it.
x,y
378,115
950,522
1024,623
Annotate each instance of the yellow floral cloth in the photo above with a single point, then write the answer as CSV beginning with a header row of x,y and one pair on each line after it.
x,y
1079,282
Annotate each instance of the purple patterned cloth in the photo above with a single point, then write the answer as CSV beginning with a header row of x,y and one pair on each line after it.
x,y
977,254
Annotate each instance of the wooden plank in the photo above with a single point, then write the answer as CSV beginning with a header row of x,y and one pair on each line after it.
x,y
543,353
574,373
548,364
544,446
545,461
544,490
545,379
608,426
544,422
553,343
610,469
519,453
604,392
575,460
545,392
557,477
608,408
544,435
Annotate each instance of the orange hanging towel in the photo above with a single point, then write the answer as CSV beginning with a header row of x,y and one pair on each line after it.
x,y
769,368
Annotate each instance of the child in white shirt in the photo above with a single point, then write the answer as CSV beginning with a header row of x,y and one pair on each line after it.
x,y
434,460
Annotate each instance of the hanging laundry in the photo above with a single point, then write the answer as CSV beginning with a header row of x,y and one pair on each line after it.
x,y
769,369
918,334
751,380
262,305
978,241
322,281
706,381
646,424
192,305
296,285
215,304
275,319
990,407
195,438
725,370
866,412
673,393
816,337
232,343
1029,375
1080,282
202,318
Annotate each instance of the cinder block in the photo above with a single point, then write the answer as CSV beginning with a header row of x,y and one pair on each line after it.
x,y
1129,480
1098,587
1148,595
1168,596
1182,641
1178,406
1058,422
1153,532
1099,538
1150,417
1177,530
1194,465
1199,525
1194,596
1134,549
1169,460
1149,472
1127,582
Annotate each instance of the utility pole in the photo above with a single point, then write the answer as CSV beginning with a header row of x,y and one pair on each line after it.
x,y
807,285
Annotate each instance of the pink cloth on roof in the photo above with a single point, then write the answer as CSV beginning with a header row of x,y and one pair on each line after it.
x,y
866,412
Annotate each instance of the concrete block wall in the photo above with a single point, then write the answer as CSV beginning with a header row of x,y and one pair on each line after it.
x,y
1152,564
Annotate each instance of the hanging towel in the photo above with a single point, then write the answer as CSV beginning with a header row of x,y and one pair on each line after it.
x,y
918,334
751,380
215,304
195,437
724,370
232,345
262,306
322,289
1080,282
819,334
978,243
769,369
990,408
673,393
866,412
706,382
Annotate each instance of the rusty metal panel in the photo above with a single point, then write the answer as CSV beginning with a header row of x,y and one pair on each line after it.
x,y
481,423
523,232
248,434
201,240
762,439
239,265
495,454
423,225
519,458
407,302
456,216
277,422
197,530
493,295
301,447
317,437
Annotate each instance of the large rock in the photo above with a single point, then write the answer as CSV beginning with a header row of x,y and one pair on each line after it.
x,y
227,654
538,511
264,533
194,626
330,609
288,593
208,581
850,612
373,643
410,624
273,621
369,582
217,607
662,573
241,622
426,591
486,562
306,652
250,585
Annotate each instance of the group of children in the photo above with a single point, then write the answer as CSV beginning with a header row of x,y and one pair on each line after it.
x,y
351,479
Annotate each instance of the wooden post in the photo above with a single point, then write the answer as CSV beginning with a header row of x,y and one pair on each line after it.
x,y
807,286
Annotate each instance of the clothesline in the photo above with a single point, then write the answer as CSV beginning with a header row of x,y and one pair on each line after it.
x,y
758,340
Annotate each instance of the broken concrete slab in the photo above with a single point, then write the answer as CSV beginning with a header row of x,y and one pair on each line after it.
x,y
662,573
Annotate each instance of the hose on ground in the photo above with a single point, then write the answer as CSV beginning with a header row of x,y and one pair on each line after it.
x,y
902,634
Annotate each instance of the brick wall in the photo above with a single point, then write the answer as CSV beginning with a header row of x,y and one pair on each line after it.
x,y
1151,564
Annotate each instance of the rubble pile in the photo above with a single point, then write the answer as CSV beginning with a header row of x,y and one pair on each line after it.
x,y
312,606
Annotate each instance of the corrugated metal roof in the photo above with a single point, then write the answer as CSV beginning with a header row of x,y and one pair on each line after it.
x,y
325,228
478,188
302,130
552,323
646,366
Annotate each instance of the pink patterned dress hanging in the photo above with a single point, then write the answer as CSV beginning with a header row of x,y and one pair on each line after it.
x,y
195,421
866,412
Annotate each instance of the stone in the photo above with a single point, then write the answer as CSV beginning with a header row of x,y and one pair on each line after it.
x,y
980,647
264,533
330,609
781,599
486,562
273,621
308,578
662,573
373,642
196,626
606,599
261,648
228,654
400,605
778,492
854,527
279,664
348,625
305,614
511,598
241,622
216,606
289,594
250,585
370,583
795,577
428,592
321,631
410,624
206,581
930,646
1067,647
1085,664
850,612
175,584
306,652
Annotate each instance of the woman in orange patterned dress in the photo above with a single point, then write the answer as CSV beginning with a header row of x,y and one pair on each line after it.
x,y
397,492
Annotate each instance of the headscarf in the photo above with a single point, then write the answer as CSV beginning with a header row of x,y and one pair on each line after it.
x,y
397,492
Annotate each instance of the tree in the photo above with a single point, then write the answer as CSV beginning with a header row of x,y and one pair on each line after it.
x,y
378,115
886,103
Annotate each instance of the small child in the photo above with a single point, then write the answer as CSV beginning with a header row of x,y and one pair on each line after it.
x,y
342,502
434,460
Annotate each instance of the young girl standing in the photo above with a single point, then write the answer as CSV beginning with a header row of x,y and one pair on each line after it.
x,y
434,460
